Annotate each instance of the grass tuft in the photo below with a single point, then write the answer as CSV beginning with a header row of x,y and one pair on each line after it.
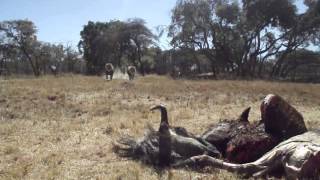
x,y
64,128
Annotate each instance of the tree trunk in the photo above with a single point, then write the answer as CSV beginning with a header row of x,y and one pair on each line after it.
x,y
34,66
211,57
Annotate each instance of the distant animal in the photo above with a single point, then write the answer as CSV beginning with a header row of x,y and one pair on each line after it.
x,y
131,71
109,71
54,69
176,72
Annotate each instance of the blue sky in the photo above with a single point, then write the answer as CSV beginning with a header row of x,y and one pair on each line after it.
x,y
60,21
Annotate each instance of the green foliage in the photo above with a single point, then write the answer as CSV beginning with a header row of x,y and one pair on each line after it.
x,y
277,13
20,35
241,38
302,64
228,12
19,48
110,41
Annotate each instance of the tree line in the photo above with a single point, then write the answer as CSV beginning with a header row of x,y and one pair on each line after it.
x,y
117,42
225,38
22,53
255,38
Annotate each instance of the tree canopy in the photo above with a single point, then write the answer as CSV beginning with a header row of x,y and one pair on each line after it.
x,y
20,47
111,41
239,37
216,38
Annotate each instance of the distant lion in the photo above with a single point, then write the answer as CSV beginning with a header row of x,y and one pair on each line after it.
x,y
109,70
176,72
54,70
131,72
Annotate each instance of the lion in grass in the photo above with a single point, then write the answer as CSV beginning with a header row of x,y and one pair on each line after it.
x,y
131,71
109,69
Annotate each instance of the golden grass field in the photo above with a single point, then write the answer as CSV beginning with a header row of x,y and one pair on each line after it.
x,y
64,127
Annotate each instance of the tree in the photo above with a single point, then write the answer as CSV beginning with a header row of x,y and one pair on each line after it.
x,y
241,37
49,55
298,65
71,59
87,45
21,52
110,41
20,34
140,38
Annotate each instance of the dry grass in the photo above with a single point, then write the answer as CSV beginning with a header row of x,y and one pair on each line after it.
x,y
63,128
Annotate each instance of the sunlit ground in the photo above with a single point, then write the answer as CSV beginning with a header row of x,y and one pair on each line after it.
x,y
64,127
